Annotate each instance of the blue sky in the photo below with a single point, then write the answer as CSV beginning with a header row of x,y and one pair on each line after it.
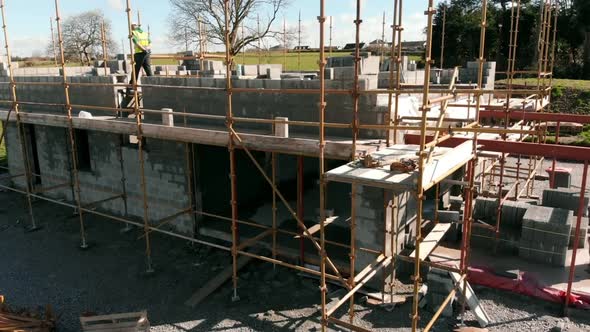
x,y
28,20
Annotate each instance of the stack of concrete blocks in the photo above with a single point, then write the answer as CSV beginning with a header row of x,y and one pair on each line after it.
x,y
441,76
100,71
116,66
250,71
375,220
562,177
386,66
453,217
270,71
569,199
470,74
545,235
170,70
4,71
512,214
440,286
583,237
213,68
343,68
565,198
191,64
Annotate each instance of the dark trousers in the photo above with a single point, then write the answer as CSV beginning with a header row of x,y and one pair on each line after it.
x,y
142,60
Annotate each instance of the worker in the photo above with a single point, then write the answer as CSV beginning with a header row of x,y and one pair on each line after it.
x,y
141,56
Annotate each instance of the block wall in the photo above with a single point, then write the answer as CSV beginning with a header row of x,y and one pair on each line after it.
x,y
299,107
165,173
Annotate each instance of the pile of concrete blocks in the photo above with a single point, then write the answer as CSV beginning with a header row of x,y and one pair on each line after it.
x,y
115,66
439,286
582,239
565,198
270,71
513,213
545,235
485,209
250,70
213,68
4,68
441,76
191,64
470,73
343,67
100,71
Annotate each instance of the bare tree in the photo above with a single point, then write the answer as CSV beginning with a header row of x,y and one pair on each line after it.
x,y
244,28
82,36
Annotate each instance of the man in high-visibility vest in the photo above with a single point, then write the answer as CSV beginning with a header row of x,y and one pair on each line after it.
x,y
141,56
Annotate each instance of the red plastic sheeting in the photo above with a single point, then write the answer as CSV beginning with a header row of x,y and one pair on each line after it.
x,y
526,284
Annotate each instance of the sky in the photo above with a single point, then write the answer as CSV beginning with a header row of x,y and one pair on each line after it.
x,y
28,21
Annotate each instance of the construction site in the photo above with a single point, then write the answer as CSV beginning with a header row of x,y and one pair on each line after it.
x,y
371,195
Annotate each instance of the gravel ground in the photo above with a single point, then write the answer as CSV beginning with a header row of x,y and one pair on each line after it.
x,y
46,267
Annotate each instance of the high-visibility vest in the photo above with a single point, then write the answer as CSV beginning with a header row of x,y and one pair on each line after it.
x,y
140,38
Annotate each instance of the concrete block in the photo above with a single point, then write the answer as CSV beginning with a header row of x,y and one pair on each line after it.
x,y
282,129
167,119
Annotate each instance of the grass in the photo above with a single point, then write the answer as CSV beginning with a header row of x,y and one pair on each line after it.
x,y
3,159
559,83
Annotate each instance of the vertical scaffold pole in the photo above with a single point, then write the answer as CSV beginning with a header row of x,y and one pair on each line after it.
x,y
138,115
355,92
422,155
232,153
103,37
19,124
322,146
53,41
394,59
73,152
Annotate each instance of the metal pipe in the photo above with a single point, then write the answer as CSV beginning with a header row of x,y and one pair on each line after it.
x,y
421,165
581,207
322,183
231,150
140,142
68,108
355,94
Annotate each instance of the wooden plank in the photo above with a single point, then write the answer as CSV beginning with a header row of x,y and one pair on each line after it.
x,y
316,228
443,166
123,322
138,315
268,143
216,282
432,240
482,316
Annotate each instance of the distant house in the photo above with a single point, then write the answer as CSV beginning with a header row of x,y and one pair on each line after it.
x,y
377,45
279,47
302,48
418,46
352,46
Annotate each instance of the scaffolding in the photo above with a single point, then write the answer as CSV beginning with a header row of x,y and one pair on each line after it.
x,y
470,147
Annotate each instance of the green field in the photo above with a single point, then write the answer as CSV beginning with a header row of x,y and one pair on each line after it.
x,y
2,150
306,61
558,83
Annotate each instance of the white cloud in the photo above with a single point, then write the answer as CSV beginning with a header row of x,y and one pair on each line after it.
x,y
116,4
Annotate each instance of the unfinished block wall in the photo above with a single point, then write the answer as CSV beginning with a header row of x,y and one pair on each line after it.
x,y
165,172
54,94
299,107
381,214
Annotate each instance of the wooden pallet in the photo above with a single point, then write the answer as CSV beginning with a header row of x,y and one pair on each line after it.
x,y
126,322
10,321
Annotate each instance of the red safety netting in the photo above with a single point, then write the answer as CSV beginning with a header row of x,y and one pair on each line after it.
x,y
526,284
